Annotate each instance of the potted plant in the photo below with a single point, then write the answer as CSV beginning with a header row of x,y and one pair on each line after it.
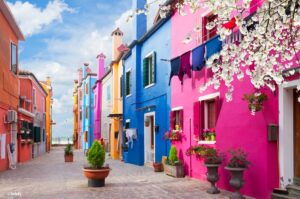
x,y
95,172
237,164
212,160
173,166
255,101
158,166
69,153
173,135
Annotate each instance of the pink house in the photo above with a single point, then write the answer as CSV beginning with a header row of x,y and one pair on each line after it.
x,y
98,93
235,127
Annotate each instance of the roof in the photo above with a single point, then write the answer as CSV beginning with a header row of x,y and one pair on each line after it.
x,y
11,20
27,74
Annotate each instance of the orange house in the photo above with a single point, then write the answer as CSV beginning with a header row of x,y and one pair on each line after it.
x,y
9,94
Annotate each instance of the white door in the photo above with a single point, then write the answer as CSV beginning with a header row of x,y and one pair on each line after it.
x,y
149,137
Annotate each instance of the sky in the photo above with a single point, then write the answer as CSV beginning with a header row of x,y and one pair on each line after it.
x,y
61,35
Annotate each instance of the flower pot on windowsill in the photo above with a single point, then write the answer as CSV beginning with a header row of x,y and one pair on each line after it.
x,y
158,166
176,171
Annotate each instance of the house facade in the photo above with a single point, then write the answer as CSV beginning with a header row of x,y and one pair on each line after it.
x,y
79,109
88,81
75,115
97,88
47,85
9,100
146,99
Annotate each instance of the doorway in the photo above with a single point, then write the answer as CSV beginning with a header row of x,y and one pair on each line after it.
x,y
296,134
149,138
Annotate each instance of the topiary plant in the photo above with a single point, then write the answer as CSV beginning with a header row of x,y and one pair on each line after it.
x,y
69,150
173,159
96,155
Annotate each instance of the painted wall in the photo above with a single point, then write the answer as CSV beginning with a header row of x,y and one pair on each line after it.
x,y
235,127
8,82
79,106
156,96
106,109
75,116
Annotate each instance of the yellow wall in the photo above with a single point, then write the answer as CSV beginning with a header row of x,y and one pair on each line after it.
x,y
48,88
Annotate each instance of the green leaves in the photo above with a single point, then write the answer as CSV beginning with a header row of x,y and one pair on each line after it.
x,y
96,155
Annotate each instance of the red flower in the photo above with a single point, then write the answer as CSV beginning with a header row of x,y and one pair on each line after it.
x,y
230,24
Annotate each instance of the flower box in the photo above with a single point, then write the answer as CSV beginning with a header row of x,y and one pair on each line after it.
x,y
176,171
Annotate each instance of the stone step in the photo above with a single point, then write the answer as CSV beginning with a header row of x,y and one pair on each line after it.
x,y
280,196
294,190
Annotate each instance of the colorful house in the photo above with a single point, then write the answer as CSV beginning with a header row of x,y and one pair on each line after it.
x,y
75,115
9,100
146,99
49,122
88,81
116,133
234,124
106,107
78,91
97,88
38,104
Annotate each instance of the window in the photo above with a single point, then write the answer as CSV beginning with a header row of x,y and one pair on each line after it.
x,y
86,112
128,83
86,88
13,58
80,115
149,69
205,115
121,86
208,34
108,94
33,97
176,120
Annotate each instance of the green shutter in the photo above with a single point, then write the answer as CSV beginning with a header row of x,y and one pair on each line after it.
x,y
145,72
130,86
127,86
153,67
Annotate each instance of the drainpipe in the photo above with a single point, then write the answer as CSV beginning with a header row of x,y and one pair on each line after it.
x,y
190,146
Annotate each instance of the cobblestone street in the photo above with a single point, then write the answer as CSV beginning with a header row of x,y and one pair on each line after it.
x,y
49,177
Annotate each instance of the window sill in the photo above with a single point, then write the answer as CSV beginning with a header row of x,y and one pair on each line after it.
x,y
128,95
150,85
206,142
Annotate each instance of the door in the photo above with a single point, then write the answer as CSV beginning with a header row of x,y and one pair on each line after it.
x,y
296,134
149,138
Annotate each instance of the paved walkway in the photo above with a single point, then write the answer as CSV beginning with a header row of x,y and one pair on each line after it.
x,y
49,177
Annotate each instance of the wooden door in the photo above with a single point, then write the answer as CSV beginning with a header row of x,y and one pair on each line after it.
x,y
296,134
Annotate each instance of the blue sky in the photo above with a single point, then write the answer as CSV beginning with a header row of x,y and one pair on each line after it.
x,y
61,35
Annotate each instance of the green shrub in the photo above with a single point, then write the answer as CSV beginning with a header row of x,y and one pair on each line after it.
x,y
69,150
173,159
96,155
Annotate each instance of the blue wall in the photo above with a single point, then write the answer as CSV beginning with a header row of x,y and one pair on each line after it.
x,y
157,96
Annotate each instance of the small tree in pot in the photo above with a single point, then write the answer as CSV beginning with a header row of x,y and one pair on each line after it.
x,y
237,164
95,172
69,153
173,166
212,160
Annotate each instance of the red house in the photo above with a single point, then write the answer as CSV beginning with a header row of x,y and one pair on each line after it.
x,y
9,95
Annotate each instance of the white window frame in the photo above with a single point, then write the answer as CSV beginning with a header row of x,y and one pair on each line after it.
x,y
130,82
10,61
148,56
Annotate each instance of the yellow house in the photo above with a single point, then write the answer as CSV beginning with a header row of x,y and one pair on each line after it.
x,y
116,116
48,88
75,115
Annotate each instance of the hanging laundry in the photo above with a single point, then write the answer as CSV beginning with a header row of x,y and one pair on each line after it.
x,y
175,65
198,58
130,135
213,46
185,66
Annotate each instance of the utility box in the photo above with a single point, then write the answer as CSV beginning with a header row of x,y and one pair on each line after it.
x,y
273,132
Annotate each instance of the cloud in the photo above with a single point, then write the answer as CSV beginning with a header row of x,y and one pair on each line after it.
x,y
32,19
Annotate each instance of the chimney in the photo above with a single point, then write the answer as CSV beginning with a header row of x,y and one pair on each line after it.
x,y
48,81
139,20
117,36
85,70
79,75
101,60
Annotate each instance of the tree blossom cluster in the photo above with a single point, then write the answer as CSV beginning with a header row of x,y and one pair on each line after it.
x,y
269,49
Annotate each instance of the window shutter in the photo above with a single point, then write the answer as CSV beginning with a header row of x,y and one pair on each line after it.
x,y
204,30
181,118
217,108
154,67
201,126
196,118
145,72
172,120
127,84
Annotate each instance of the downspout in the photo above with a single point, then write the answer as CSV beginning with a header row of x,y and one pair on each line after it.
x,y
190,146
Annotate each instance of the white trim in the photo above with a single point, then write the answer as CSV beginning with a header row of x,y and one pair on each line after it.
x,y
128,95
150,85
149,54
286,131
177,108
145,137
206,142
127,121
129,69
209,96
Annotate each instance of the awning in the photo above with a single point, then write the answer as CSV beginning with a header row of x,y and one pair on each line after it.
x,y
119,115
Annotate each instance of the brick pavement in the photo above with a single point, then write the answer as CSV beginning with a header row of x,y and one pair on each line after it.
x,y
49,177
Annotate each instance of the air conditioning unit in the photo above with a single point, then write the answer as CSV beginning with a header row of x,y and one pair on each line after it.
x,y
11,116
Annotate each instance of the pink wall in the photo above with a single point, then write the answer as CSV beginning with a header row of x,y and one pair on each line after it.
x,y
236,127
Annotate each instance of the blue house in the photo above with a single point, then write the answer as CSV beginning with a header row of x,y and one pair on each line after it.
x,y
88,81
146,93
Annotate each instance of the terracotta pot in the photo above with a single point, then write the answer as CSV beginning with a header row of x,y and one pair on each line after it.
x,y
68,158
236,181
212,177
96,177
158,167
